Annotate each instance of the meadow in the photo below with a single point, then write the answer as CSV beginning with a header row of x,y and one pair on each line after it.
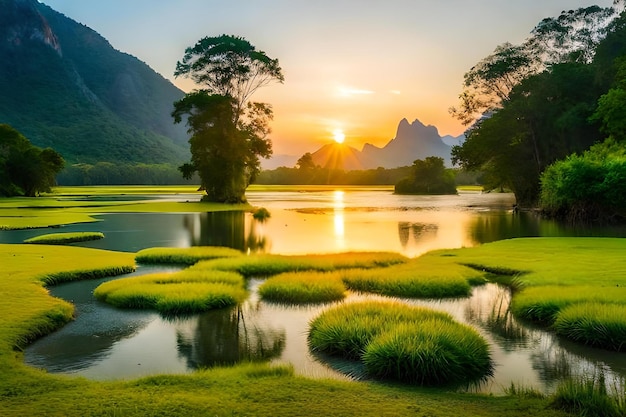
x,y
533,267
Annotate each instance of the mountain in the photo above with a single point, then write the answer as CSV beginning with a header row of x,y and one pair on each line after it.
x,y
412,141
63,85
338,156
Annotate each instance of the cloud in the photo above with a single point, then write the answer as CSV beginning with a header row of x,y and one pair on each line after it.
x,y
350,91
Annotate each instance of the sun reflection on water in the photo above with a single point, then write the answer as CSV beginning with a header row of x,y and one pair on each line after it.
x,y
339,221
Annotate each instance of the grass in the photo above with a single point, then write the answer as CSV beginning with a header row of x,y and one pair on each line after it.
x,y
184,256
588,396
264,265
183,292
575,282
409,344
416,279
303,288
63,238
28,311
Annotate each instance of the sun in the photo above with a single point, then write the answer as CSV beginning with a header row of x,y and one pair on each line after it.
x,y
339,136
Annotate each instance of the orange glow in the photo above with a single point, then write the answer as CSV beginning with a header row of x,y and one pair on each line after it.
x,y
339,136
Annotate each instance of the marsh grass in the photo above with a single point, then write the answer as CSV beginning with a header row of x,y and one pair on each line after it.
x,y
596,324
415,279
303,287
64,238
588,396
409,344
265,265
183,292
543,303
184,256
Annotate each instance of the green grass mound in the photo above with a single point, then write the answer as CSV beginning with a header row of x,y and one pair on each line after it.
x,y
264,265
184,256
63,238
595,324
409,344
543,303
184,292
415,279
303,287
588,396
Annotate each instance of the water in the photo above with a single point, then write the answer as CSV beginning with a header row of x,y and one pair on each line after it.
x,y
107,343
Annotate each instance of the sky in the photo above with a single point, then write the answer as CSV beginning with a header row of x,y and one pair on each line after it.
x,y
352,66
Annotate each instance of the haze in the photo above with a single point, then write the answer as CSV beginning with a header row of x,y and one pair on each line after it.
x,y
354,66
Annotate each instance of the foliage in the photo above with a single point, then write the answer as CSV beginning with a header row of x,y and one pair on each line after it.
x,y
228,132
303,287
587,187
25,169
396,341
64,238
185,256
184,292
573,36
428,176
596,324
544,119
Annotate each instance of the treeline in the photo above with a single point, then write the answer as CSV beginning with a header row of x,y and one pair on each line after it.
x,y
107,173
379,176
536,109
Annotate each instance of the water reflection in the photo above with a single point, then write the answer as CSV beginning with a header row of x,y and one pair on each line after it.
x,y
227,337
234,229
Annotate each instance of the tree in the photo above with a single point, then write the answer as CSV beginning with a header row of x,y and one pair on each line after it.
x,y
573,36
228,132
26,169
428,176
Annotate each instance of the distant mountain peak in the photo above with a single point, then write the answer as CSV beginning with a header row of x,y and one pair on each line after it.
x,y
22,22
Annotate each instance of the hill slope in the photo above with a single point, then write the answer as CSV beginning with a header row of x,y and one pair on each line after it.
x,y
63,85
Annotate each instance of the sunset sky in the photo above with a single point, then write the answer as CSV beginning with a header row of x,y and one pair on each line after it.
x,y
358,66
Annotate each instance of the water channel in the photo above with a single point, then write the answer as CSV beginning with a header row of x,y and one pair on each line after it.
x,y
107,343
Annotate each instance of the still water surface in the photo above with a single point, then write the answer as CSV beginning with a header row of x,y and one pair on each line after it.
x,y
107,343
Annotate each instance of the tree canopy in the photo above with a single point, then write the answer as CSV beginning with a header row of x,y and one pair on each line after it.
x,y
543,100
25,169
228,132
428,176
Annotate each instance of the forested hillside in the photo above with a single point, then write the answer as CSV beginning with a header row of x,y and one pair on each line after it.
x,y
64,86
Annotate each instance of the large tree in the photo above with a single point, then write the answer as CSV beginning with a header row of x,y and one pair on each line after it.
x,y
25,169
228,132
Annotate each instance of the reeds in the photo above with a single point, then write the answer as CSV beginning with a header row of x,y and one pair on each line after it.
x,y
395,341
264,265
184,292
588,396
184,256
303,287
64,238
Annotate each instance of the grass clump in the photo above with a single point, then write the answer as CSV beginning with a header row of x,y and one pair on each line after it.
x,y
263,265
588,396
184,292
415,279
184,256
303,287
63,238
409,344
595,324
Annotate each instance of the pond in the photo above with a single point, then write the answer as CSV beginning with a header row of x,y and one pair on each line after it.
x,y
107,343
